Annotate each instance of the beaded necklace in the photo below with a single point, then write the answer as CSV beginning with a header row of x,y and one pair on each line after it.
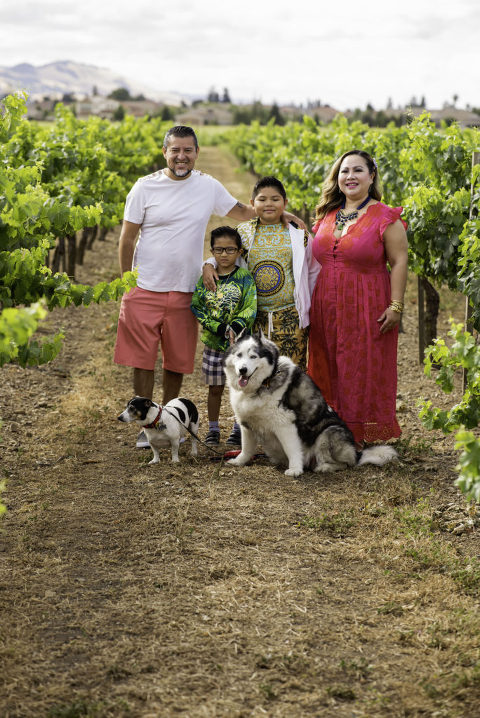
x,y
341,218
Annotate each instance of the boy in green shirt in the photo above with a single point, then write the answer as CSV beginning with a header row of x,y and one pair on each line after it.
x,y
223,314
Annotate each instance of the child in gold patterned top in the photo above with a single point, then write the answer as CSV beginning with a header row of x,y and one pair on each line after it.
x,y
281,261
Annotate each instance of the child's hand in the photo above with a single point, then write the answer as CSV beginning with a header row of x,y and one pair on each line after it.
x,y
210,277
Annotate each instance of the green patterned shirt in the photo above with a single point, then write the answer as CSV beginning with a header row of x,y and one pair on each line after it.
x,y
233,304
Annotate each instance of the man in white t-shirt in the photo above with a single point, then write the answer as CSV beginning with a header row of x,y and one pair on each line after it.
x,y
171,208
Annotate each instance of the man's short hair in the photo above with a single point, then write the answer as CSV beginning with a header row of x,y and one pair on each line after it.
x,y
180,131
225,231
269,182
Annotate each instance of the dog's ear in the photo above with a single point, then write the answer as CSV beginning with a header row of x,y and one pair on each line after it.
x,y
260,334
242,334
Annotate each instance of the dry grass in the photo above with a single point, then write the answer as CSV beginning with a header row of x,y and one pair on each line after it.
x,y
205,591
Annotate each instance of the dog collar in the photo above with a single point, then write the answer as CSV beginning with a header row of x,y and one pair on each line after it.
x,y
155,421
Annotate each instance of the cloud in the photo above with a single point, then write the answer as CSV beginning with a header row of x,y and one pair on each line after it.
x,y
300,50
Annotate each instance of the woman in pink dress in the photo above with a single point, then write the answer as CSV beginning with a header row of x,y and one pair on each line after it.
x,y
357,302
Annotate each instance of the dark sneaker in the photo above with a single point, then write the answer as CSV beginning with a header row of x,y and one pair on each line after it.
x,y
142,441
212,438
235,438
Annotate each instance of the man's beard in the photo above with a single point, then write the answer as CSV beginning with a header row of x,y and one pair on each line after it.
x,y
181,173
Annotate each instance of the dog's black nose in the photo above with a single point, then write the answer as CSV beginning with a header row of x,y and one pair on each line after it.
x,y
243,370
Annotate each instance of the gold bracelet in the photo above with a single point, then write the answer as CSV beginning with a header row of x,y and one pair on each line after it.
x,y
396,306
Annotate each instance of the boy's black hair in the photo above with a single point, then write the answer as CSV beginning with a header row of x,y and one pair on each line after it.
x,y
180,131
225,232
269,182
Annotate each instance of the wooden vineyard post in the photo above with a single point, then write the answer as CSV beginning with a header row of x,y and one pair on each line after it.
x,y
421,321
468,308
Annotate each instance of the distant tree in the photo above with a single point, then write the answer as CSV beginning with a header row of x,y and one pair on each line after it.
x,y
226,95
259,112
455,99
390,104
166,113
139,98
241,115
121,94
423,101
95,91
68,98
276,115
119,113
380,119
213,95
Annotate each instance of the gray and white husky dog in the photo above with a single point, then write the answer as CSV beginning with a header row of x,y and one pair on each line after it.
x,y
280,407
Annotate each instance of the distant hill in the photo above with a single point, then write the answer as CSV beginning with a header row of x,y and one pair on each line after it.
x,y
58,78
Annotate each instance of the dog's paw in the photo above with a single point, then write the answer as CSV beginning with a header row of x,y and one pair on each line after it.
x,y
293,472
154,461
236,461
326,468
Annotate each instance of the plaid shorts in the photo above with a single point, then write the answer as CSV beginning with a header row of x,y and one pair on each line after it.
x,y
212,367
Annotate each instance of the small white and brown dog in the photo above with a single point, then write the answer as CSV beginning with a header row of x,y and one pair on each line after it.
x,y
163,425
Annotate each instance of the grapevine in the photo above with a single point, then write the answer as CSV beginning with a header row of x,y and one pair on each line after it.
x,y
55,182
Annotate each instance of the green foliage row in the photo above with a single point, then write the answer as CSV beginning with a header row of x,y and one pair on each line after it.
x,y
54,182
425,169
463,354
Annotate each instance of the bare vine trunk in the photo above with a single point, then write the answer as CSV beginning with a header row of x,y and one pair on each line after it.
x,y
103,234
72,255
58,255
82,245
93,236
432,304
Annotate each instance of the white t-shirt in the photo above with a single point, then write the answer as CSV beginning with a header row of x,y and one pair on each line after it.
x,y
174,216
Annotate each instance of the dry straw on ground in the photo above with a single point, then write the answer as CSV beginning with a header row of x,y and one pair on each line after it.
x,y
199,590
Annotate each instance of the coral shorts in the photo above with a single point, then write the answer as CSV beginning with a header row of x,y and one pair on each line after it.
x,y
148,319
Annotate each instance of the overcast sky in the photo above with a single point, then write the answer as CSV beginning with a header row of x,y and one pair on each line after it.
x,y
344,53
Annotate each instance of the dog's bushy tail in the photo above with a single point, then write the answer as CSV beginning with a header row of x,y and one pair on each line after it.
x,y
378,455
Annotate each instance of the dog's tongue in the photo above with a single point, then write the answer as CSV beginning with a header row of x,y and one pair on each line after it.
x,y
243,381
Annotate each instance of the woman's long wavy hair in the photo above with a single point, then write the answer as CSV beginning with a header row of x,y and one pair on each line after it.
x,y
332,197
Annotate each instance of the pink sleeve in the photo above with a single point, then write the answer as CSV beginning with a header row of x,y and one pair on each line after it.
x,y
389,216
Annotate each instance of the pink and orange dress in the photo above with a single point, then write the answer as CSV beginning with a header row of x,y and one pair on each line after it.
x,y
354,365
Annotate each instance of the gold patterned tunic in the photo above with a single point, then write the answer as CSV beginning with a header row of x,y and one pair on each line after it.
x,y
270,262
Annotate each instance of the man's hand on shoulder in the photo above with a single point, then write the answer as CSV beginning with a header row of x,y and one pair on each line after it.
x,y
287,217
210,277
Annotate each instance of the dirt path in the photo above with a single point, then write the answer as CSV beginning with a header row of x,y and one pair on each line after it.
x,y
203,591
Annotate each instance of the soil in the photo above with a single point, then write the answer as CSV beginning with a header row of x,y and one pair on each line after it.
x,y
201,590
